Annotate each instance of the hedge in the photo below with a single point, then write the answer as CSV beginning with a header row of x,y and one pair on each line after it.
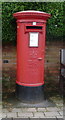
x,y
55,26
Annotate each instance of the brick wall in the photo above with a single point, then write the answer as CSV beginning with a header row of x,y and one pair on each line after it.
x,y
52,59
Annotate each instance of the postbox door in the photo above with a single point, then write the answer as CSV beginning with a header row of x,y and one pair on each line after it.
x,y
36,57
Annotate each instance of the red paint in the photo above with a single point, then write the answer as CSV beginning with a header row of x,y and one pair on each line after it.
x,y
30,60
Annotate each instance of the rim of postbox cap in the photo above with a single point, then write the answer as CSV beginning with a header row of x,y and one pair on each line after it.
x,y
31,12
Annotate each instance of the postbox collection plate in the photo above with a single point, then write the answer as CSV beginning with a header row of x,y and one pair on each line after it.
x,y
33,40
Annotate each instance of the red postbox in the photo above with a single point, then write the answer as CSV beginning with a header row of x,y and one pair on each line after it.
x,y
31,33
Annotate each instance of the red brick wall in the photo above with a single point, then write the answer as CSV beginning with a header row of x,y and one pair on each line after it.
x,y
52,59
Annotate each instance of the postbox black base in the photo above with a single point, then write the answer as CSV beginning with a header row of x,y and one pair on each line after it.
x,y
30,94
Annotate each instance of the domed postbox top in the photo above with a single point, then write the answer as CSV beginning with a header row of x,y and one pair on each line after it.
x,y
31,14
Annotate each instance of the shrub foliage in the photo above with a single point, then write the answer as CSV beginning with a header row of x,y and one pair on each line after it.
x,y
54,25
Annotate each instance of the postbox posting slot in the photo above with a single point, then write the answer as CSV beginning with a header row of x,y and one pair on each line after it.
x,y
33,28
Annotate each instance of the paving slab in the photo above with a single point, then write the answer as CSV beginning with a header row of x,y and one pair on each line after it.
x,y
6,118
43,119
39,115
20,118
51,118
48,119
60,119
54,109
25,114
51,114
11,115
41,109
35,119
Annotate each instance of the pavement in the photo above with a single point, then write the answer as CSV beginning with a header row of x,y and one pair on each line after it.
x,y
48,112
27,113
12,108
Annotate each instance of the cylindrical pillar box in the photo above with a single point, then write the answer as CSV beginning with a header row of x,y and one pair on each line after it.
x,y
31,33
